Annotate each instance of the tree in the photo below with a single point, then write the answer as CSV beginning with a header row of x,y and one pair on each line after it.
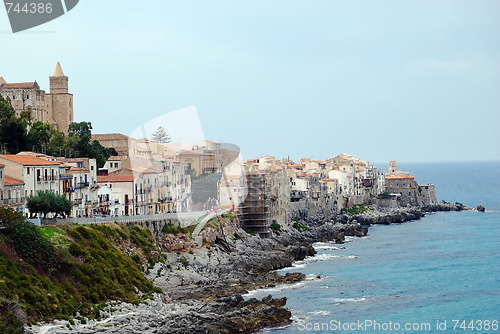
x,y
20,134
40,137
161,136
38,204
80,135
46,202
79,140
12,128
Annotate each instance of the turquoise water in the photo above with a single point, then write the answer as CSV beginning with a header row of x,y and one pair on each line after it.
x,y
442,268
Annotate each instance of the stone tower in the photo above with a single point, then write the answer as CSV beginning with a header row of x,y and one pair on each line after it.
x,y
392,166
59,103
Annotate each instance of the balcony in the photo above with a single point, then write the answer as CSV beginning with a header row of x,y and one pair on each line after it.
x,y
19,200
77,201
46,179
80,185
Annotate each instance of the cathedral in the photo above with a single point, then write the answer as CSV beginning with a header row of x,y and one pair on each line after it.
x,y
55,107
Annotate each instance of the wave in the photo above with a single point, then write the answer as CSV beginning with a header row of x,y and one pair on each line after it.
x,y
322,313
325,257
351,239
325,246
317,258
276,289
349,300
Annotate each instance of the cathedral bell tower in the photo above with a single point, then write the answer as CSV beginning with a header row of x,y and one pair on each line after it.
x,y
59,103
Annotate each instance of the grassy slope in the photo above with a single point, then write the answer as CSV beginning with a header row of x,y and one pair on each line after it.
x,y
55,272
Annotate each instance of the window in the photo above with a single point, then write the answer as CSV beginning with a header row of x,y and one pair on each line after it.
x,y
28,171
38,175
91,167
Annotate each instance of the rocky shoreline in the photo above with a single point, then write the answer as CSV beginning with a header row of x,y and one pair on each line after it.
x,y
204,288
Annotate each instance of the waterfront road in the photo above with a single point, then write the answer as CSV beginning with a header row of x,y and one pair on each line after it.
x,y
181,218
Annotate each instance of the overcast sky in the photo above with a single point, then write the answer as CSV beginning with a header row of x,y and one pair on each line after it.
x,y
380,80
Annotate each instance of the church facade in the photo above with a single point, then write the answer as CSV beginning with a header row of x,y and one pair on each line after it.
x,y
55,107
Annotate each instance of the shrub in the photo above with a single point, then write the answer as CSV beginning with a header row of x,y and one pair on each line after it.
x,y
300,226
275,226
30,244
229,215
183,261
99,273
357,209
174,229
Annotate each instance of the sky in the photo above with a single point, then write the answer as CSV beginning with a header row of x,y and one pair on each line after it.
x,y
414,81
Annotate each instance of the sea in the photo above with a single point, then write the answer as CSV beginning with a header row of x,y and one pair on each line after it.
x,y
439,274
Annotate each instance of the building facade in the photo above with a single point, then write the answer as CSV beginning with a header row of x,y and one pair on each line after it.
x,y
55,107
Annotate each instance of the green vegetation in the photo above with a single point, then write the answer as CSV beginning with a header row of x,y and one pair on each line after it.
x,y
275,226
212,223
22,134
10,323
358,209
46,202
174,229
230,215
250,232
54,235
300,226
182,260
160,135
56,272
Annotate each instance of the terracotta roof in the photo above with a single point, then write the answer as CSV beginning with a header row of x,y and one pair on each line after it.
x,y
143,170
9,181
305,160
28,160
327,180
115,178
38,155
117,158
110,136
338,170
277,167
394,177
20,85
